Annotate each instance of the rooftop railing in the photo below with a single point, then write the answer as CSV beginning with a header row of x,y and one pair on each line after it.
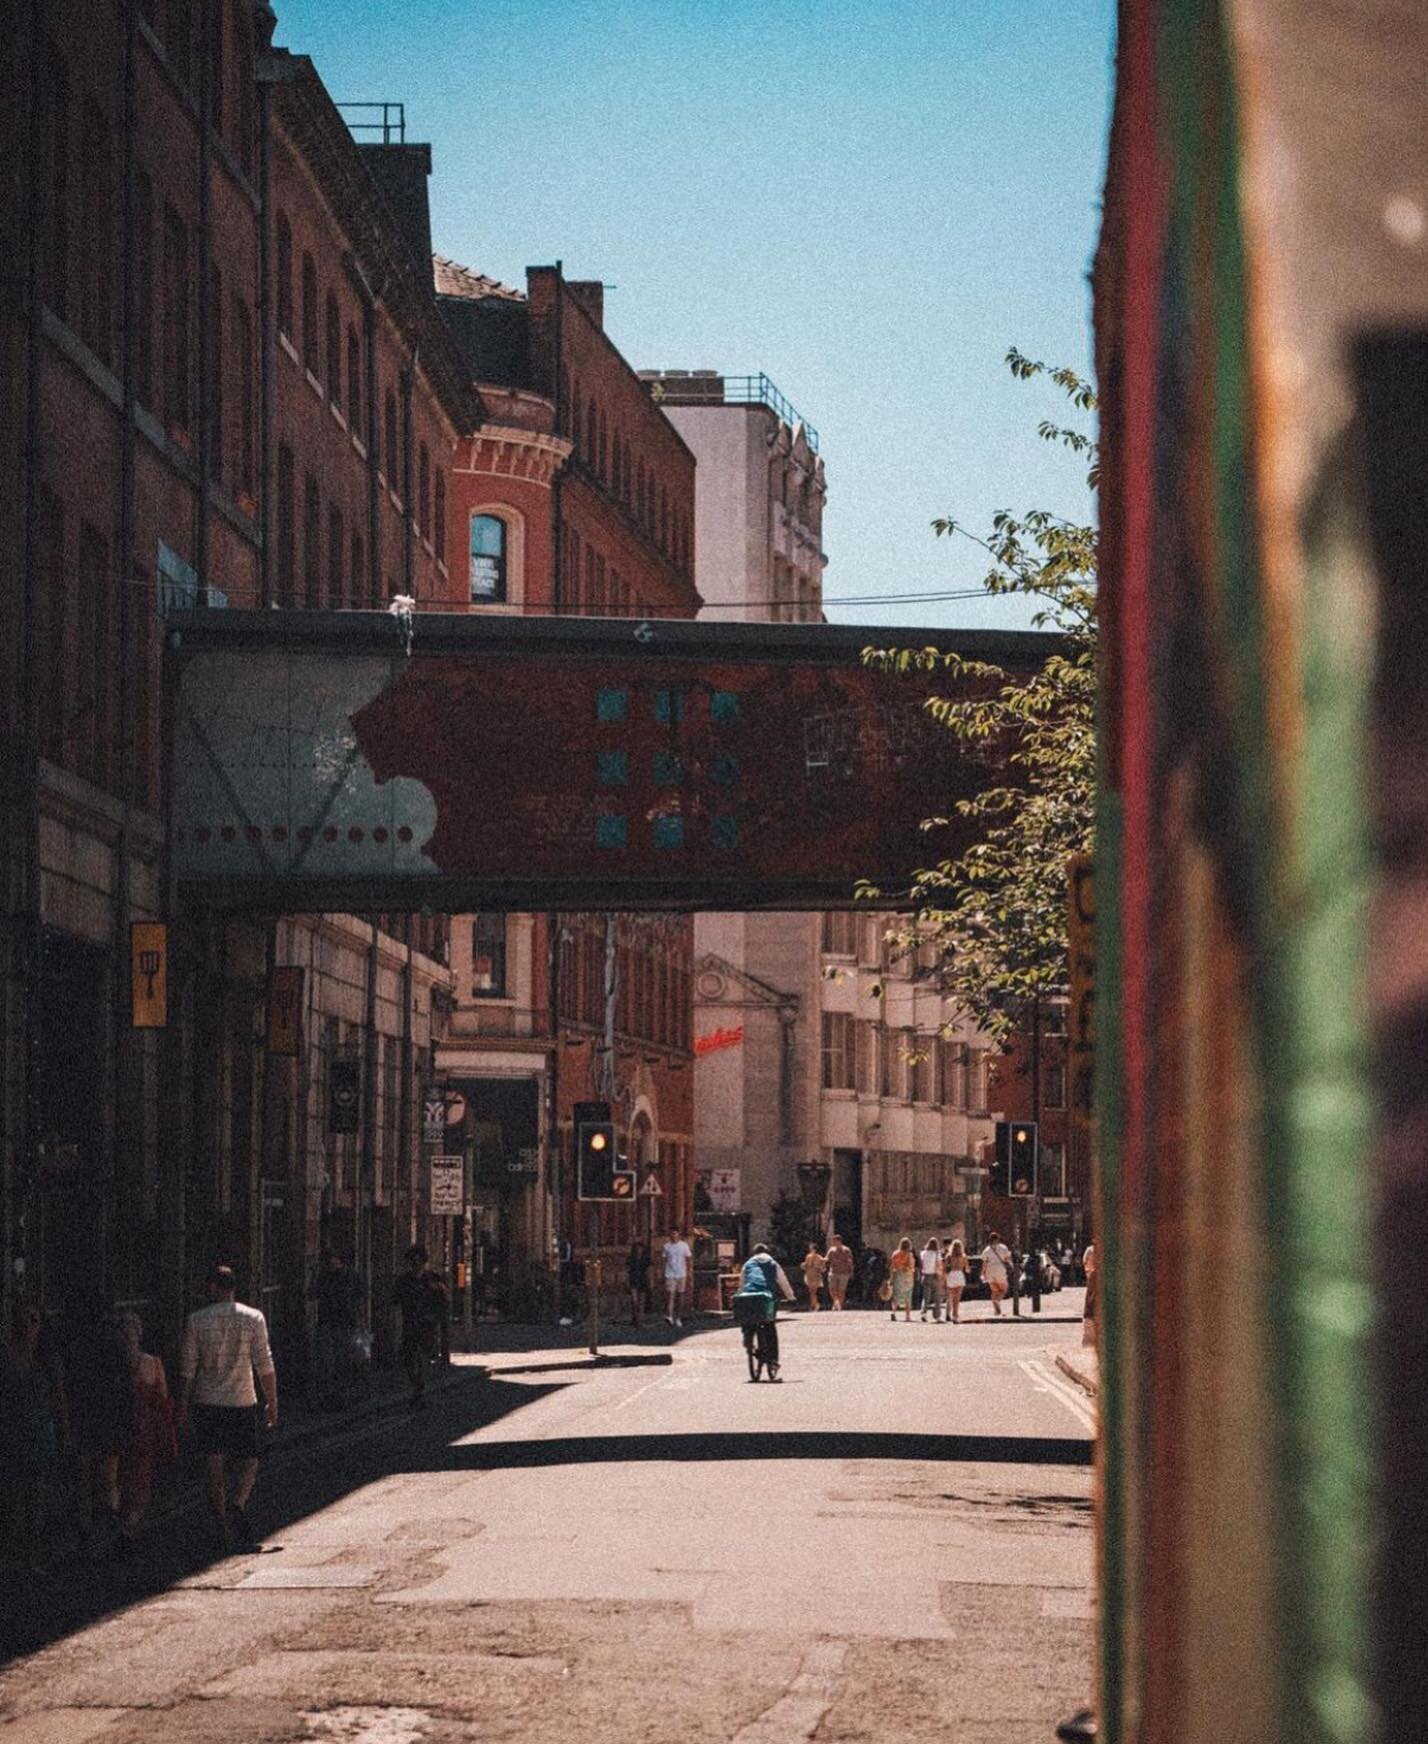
x,y
707,387
376,123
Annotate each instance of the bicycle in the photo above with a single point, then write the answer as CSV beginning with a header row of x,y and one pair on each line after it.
x,y
754,1314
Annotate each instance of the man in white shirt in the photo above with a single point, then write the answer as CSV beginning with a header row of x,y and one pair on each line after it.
x,y
224,1346
996,1259
678,1257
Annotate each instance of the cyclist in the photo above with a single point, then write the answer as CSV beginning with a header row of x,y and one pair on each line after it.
x,y
764,1276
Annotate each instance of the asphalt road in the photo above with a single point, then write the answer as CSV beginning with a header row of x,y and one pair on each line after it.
x,y
894,1542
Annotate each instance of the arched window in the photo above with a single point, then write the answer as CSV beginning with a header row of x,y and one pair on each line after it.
x,y
488,559
285,275
354,381
334,350
603,451
309,313
591,439
390,443
439,531
424,493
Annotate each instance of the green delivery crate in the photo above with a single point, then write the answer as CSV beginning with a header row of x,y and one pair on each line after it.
x,y
752,1307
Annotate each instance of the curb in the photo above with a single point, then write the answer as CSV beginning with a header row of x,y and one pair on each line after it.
x,y
1082,1379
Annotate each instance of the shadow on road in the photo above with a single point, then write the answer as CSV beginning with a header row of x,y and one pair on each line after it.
x,y
585,1364
295,1482
765,1444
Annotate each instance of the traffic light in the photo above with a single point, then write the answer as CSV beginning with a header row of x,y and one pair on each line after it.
x,y
1014,1171
596,1162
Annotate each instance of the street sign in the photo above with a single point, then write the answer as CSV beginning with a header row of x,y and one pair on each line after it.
x,y
622,1184
448,1186
455,1108
651,1188
285,1011
149,974
433,1117
724,1189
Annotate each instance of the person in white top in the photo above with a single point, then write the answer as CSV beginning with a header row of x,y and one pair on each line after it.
x,y
995,1258
224,1346
932,1278
678,1257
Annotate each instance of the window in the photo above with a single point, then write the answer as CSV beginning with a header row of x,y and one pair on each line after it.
x,y
838,931
439,535
178,343
603,450
1051,1170
309,313
359,564
215,387
311,543
1053,1086
55,607
91,685
56,287
424,493
488,559
354,382
837,1051
923,1073
144,288
97,226
334,350
243,364
869,1067
243,67
977,1080
336,552
285,275
287,511
216,93
389,444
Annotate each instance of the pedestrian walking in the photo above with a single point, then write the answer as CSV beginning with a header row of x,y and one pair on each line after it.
x,y
902,1269
421,1298
840,1271
339,1293
99,1385
873,1272
932,1278
33,1428
813,1267
155,1440
996,1268
678,1258
955,1268
637,1274
224,1346
1088,1312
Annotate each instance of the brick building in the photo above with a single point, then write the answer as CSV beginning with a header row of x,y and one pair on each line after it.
x,y
231,387
574,495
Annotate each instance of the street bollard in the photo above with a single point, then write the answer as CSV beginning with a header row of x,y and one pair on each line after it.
x,y
594,1274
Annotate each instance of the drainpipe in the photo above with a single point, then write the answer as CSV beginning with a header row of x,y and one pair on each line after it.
x,y
268,342
364,1188
210,21
409,520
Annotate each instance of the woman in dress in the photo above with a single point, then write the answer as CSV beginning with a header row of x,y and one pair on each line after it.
x,y
154,1442
956,1277
814,1266
901,1271
33,1421
637,1274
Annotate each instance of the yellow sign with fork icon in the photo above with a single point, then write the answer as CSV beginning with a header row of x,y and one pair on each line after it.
x,y
149,974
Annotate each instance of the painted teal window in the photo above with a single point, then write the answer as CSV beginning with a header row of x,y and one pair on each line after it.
x,y
724,832
611,831
612,768
724,706
669,769
612,705
725,770
669,832
669,705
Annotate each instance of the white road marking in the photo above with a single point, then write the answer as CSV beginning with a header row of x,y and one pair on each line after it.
x,y
799,1713
1074,1401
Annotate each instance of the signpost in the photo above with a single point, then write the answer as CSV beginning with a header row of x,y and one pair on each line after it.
x,y
448,1186
149,974
433,1117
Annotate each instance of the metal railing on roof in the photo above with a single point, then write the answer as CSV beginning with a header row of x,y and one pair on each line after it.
x,y
384,122
708,387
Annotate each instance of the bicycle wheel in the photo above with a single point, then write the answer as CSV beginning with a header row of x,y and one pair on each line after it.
x,y
752,1352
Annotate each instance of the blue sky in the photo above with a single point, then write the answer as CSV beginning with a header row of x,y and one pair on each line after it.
x,y
868,200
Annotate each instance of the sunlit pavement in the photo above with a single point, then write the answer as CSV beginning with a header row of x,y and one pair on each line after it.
x,y
893,1542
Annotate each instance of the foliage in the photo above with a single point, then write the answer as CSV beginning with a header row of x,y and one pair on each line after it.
x,y
793,1223
997,912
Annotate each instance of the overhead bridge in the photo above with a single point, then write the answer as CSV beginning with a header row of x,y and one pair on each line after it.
x,y
326,761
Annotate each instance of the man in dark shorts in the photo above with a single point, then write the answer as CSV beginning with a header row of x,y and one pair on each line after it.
x,y
421,1296
224,1346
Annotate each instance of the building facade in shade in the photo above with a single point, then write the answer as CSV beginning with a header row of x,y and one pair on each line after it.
x,y
573,495
815,1042
226,384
